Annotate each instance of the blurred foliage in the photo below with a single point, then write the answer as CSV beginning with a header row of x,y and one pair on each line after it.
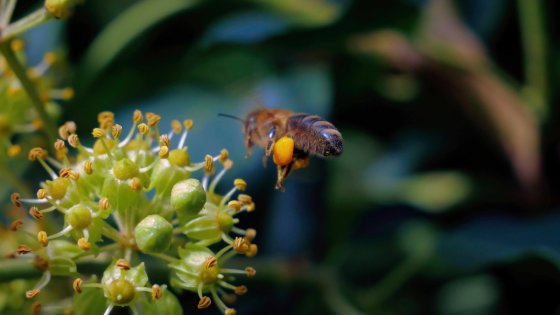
x,y
445,199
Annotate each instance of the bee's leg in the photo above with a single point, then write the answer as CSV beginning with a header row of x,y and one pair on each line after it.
x,y
248,146
282,173
269,145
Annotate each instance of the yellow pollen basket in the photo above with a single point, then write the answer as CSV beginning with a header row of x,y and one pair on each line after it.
x,y
283,151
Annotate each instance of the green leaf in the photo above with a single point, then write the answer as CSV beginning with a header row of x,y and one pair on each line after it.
x,y
122,31
90,301
167,304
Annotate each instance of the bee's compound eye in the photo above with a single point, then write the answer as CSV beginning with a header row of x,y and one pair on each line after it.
x,y
283,151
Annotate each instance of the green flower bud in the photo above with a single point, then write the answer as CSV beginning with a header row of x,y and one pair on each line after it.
x,y
188,197
125,169
210,225
179,157
194,268
153,234
79,217
99,148
57,188
60,9
120,291
119,284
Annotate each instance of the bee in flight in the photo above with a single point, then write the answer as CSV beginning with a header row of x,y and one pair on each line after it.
x,y
290,138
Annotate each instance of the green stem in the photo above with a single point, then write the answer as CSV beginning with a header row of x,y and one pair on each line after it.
x,y
392,282
22,25
7,6
531,19
29,88
12,269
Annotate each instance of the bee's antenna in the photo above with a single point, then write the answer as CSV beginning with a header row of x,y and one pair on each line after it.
x,y
231,116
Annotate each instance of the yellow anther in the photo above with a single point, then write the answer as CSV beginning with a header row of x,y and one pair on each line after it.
x,y
88,167
224,155
164,152
228,164
42,193
43,238
35,213
156,292
123,264
67,93
176,126
253,250
188,123
240,290
15,225
210,262
240,245
73,140
250,234
283,151
143,128
14,90
32,293
77,285
137,116
98,133
136,184
105,119
64,172
204,302
240,184
70,126
17,44
84,244
164,140
32,73
153,119
230,311
63,132
244,199
235,205
250,207
37,153
73,175
14,150
208,163
104,204
14,198
49,58
116,131
59,145
23,249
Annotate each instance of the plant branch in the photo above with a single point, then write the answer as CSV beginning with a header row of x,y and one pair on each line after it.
x,y
14,29
531,19
29,88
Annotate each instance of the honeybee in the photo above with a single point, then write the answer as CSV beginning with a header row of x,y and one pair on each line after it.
x,y
291,138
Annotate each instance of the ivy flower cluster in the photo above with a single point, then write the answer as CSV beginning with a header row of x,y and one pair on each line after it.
x,y
132,195
18,116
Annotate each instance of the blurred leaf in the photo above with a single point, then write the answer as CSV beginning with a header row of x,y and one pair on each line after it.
x,y
418,239
245,27
121,32
491,239
436,191
469,296
90,301
309,13
167,304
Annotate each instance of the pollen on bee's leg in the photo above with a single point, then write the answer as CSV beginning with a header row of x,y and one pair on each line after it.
x,y
283,151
